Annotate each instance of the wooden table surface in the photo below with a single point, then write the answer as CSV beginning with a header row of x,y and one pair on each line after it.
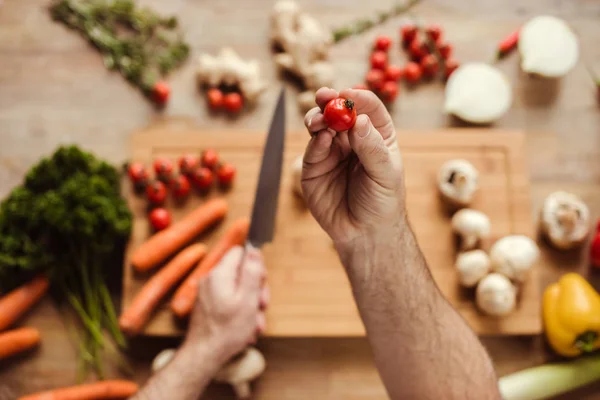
x,y
55,90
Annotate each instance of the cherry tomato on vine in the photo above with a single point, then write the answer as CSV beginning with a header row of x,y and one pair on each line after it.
x,y
226,174
180,187
412,72
156,192
203,178
408,33
340,114
434,32
429,65
375,79
160,218
418,49
209,158
445,50
451,66
188,163
393,73
379,59
136,172
163,169
383,43
389,91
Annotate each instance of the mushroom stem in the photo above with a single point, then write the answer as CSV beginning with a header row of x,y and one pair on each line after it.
x,y
460,180
242,390
469,242
567,218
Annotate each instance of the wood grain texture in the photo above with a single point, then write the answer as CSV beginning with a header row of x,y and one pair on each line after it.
x,y
310,295
54,89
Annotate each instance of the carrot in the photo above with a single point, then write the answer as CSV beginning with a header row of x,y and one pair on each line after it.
x,y
183,300
138,313
105,390
17,341
17,302
166,242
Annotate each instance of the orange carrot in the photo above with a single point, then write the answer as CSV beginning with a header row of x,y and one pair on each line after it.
x,y
105,390
138,313
17,341
164,243
183,300
17,302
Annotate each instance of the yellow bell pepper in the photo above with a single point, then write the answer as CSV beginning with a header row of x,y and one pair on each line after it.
x,y
571,312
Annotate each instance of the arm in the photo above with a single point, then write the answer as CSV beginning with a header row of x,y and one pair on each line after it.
x,y
227,317
353,183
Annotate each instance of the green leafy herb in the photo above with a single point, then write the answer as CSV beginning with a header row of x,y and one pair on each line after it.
x,y
135,41
69,221
362,25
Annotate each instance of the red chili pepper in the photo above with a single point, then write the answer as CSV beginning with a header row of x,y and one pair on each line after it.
x,y
508,44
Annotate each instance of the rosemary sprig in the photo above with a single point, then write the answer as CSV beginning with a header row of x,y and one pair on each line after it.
x,y
137,42
359,26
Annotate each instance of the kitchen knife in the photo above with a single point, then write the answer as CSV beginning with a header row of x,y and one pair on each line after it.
x,y
262,225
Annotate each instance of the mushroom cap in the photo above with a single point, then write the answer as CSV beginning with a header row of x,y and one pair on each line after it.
x,y
457,182
513,256
565,220
496,295
472,266
250,365
297,175
471,225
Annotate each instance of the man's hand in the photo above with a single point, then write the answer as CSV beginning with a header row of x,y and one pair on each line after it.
x,y
229,313
231,301
353,181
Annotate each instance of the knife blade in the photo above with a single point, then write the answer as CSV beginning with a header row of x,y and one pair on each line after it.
x,y
262,225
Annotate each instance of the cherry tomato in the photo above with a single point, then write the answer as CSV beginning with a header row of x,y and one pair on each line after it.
x,y
429,65
163,169
156,192
375,79
360,86
434,32
160,218
595,250
136,172
180,187
379,59
450,66
209,158
389,91
188,163
408,33
215,98
383,43
445,50
393,73
412,72
340,114
161,92
418,49
225,174
203,178
233,102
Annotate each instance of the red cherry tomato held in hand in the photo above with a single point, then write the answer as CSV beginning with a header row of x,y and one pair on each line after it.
x,y
389,91
156,192
408,33
163,169
215,98
203,178
429,65
379,59
375,79
233,102
383,43
412,72
393,73
160,219
161,92
226,174
451,66
188,163
180,187
209,158
434,32
340,114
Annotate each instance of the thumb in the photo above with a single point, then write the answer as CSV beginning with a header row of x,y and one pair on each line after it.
x,y
369,146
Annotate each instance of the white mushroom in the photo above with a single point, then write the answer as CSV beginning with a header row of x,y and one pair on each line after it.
x,y
472,266
457,182
496,295
297,175
243,369
565,220
548,46
162,359
513,256
471,226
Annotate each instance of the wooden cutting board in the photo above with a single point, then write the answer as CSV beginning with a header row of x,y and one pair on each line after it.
x,y
310,293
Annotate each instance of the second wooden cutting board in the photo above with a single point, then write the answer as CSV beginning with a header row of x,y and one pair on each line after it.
x,y
310,293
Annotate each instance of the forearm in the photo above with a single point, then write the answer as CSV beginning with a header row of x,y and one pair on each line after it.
x,y
186,376
422,347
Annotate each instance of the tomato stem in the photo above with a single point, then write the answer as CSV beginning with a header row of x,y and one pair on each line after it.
x,y
349,104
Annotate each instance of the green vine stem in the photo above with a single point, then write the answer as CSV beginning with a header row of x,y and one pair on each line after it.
x,y
359,26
